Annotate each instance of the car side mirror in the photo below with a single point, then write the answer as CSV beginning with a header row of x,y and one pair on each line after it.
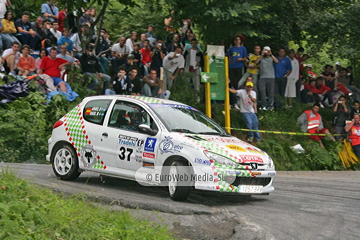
x,y
143,128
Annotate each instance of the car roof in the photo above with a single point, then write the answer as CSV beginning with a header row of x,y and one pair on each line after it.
x,y
146,100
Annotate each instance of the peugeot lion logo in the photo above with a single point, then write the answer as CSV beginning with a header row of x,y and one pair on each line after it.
x,y
254,165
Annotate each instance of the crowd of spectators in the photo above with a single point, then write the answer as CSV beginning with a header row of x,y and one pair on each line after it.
x,y
29,45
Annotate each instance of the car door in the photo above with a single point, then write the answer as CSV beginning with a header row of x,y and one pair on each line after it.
x,y
97,150
132,148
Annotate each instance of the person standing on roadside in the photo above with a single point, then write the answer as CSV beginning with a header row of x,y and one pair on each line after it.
x,y
353,128
247,100
237,57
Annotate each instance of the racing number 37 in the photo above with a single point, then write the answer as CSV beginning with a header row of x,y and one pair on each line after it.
x,y
123,153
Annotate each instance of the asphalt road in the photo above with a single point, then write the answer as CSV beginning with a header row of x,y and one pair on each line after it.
x,y
305,205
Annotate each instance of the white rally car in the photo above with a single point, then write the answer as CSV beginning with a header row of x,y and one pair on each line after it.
x,y
152,140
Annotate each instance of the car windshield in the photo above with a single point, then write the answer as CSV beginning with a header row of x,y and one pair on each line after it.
x,y
185,119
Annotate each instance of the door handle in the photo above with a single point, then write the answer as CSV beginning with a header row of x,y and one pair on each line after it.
x,y
105,135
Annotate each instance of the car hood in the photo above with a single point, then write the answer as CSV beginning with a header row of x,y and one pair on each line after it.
x,y
230,147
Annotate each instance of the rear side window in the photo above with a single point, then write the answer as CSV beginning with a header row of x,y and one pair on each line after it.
x,y
95,111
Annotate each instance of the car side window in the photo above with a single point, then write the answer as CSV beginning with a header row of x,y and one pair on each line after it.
x,y
128,116
95,111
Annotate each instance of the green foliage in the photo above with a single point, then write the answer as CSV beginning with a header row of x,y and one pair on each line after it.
x,y
28,212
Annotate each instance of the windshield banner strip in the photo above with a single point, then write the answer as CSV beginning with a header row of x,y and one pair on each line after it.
x,y
165,105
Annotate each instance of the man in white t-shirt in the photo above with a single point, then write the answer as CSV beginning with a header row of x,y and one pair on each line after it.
x,y
247,100
173,64
3,5
54,30
290,90
119,54
11,56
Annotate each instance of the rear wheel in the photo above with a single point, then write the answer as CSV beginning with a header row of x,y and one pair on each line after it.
x,y
65,162
179,191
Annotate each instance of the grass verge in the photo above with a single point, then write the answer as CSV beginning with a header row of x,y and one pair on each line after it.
x,y
29,212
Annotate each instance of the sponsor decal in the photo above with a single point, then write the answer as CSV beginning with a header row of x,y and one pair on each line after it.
x,y
236,148
148,165
250,158
167,146
224,140
148,155
140,143
150,144
271,174
127,140
88,156
256,173
202,161
254,150
138,158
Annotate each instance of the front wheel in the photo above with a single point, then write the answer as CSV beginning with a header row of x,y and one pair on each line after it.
x,y
65,163
178,191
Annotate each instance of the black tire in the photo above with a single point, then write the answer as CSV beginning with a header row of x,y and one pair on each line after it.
x,y
179,193
65,162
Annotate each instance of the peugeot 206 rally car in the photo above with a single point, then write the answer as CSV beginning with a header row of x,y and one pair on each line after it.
x,y
157,142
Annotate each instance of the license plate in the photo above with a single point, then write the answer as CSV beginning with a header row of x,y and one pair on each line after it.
x,y
250,189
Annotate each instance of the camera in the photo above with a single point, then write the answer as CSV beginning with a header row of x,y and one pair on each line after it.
x,y
340,102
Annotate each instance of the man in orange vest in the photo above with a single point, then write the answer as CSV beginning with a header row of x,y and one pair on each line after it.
x,y
353,129
311,122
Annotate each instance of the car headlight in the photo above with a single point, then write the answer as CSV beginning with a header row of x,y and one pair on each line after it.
x,y
271,163
220,159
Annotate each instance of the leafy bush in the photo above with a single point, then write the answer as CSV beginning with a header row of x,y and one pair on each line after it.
x,y
28,212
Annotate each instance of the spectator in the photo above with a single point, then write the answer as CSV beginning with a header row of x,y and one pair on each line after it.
x,y
142,39
26,64
247,100
76,39
131,63
187,37
137,54
311,122
157,56
290,91
3,5
266,83
307,96
90,67
86,18
355,109
61,20
329,76
337,67
25,31
11,56
51,66
150,35
38,27
93,14
121,84
50,11
66,40
300,59
342,114
194,62
130,41
324,91
237,57
350,75
353,128
8,30
64,54
50,38
173,64
146,56
135,82
119,53
282,71
310,74
102,50
153,86
43,53
252,68
342,77
55,30
176,43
